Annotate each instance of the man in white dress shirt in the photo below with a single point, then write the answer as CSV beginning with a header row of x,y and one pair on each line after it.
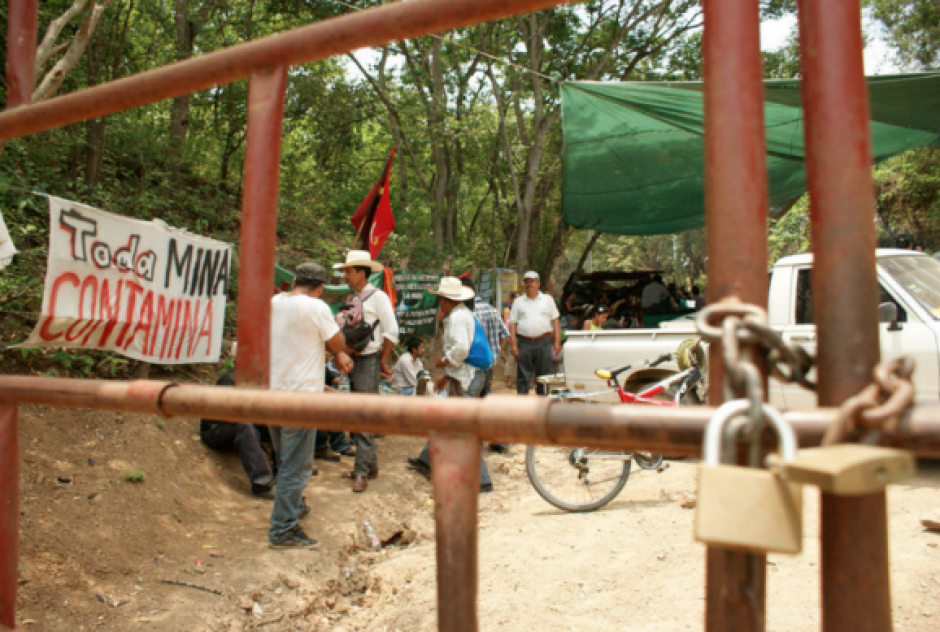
x,y
534,333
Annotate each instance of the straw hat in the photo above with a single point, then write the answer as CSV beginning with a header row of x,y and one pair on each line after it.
x,y
362,258
452,288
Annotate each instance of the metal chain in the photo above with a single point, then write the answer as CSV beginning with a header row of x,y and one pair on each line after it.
x,y
742,376
880,407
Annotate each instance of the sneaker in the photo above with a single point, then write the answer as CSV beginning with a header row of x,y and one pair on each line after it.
x,y
486,488
420,467
304,508
326,455
261,491
294,539
499,448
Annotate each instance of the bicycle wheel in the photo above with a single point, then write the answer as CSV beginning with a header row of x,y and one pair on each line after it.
x,y
577,479
648,460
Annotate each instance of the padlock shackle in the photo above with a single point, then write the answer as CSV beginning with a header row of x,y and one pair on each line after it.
x,y
711,448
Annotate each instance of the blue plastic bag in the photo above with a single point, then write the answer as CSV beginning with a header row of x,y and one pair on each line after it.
x,y
480,356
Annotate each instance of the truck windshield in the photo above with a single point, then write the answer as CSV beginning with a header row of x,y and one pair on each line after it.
x,y
920,276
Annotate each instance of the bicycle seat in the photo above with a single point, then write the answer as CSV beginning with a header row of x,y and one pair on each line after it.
x,y
606,374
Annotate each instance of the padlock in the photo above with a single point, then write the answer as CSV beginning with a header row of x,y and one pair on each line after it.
x,y
849,469
748,508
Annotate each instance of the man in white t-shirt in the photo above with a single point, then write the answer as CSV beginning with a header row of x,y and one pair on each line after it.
x,y
534,333
302,328
654,296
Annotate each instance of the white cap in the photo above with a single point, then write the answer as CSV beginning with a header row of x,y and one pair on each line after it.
x,y
531,274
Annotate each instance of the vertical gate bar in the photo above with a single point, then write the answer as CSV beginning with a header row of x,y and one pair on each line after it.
x,y
853,531
21,52
456,477
736,203
9,514
259,226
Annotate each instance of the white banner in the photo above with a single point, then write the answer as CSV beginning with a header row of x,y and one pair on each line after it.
x,y
7,249
141,289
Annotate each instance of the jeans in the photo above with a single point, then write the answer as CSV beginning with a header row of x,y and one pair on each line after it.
x,y
294,447
335,441
488,382
407,391
365,379
487,389
535,360
246,440
476,387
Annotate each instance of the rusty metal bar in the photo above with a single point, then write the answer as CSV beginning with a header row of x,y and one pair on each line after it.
x,y
9,514
456,477
21,52
259,226
736,216
853,531
336,36
533,420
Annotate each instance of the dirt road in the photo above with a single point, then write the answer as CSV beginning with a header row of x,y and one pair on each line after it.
x,y
634,566
97,547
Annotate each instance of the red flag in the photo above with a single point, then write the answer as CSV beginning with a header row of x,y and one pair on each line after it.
x,y
373,219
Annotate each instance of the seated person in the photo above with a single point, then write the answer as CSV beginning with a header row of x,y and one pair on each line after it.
x,y
597,319
698,301
655,298
331,444
405,374
243,438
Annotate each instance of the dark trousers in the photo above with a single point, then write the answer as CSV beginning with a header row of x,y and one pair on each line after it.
x,y
365,379
455,390
246,440
535,360
328,439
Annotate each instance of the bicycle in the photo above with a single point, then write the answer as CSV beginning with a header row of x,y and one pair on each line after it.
x,y
585,479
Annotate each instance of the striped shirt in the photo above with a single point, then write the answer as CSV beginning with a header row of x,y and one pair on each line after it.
x,y
492,323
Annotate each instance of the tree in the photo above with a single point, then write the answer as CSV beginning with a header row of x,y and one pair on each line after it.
x,y
913,29
63,55
610,40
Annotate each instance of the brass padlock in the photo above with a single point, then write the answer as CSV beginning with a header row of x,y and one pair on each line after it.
x,y
748,508
849,469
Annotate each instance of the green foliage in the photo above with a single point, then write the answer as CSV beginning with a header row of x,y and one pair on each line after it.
x,y
789,235
913,28
134,477
908,188
79,362
478,142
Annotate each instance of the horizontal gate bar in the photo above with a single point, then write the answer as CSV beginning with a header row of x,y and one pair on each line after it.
x,y
336,36
497,418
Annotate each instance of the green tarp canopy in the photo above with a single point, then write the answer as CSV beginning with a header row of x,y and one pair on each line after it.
x,y
634,157
332,294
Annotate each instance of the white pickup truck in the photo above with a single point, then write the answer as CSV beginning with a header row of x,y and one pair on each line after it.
x,y
908,280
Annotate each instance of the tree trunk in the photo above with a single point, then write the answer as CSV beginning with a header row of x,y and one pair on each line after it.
x,y
94,128
179,113
587,251
555,249
94,150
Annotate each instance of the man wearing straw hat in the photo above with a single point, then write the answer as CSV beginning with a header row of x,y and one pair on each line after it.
x,y
377,308
460,379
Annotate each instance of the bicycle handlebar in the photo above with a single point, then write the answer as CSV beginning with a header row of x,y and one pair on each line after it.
x,y
666,357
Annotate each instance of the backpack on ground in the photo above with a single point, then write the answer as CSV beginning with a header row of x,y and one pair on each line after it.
x,y
480,356
356,330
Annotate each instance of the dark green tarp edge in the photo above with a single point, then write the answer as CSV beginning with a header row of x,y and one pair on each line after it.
x,y
633,161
